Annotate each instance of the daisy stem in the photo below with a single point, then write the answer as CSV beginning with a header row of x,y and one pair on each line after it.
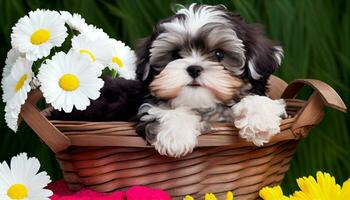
x,y
114,73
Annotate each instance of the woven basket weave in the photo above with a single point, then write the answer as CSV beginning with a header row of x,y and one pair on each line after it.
x,y
109,156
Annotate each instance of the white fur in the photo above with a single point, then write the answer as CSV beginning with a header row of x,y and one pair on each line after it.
x,y
175,74
258,118
178,130
252,70
279,54
195,20
194,98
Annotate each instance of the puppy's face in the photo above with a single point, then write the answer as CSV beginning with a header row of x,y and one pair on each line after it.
x,y
206,52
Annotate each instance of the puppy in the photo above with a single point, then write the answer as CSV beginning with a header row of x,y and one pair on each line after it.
x,y
206,64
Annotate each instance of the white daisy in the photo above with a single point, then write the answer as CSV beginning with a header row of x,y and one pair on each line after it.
x,y
22,181
74,21
12,56
69,80
36,34
96,49
16,84
11,116
123,60
93,32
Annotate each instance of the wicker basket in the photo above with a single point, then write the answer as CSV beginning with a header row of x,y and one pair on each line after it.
x,y
109,156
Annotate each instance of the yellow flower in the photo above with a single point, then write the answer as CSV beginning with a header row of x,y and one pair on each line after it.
x,y
210,196
323,188
272,193
188,197
229,196
345,192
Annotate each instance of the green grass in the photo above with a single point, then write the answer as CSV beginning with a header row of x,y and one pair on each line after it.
x,y
315,36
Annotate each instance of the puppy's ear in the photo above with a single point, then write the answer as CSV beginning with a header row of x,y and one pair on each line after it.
x,y
143,56
263,55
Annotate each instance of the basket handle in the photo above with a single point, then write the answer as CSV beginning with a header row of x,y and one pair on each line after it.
x,y
276,86
312,113
30,113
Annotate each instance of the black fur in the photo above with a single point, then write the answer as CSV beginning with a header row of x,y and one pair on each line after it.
x,y
262,51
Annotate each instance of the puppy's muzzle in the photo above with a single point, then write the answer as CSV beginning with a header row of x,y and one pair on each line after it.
x,y
194,70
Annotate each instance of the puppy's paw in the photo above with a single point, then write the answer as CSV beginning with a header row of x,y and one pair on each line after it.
x,y
258,118
176,148
177,131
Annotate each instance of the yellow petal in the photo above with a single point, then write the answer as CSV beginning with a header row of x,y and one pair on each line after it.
x,y
324,187
229,196
345,192
188,197
272,193
210,196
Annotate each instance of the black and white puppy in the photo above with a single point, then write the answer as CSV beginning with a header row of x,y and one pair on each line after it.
x,y
206,64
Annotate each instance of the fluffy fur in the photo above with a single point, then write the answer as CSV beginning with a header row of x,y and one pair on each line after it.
x,y
174,129
201,65
258,118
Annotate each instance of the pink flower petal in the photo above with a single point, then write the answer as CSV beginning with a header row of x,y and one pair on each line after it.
x,y
61,192
160,195
139,193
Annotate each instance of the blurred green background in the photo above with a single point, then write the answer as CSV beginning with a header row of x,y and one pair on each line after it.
x,y
315,36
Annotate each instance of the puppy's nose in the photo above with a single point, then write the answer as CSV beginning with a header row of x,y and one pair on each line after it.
x,y
194,70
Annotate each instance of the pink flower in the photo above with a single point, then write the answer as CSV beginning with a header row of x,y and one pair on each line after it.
x,y
160,195
61,192
145,193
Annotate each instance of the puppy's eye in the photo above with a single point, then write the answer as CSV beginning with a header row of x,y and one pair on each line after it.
x,y
176,54
219,54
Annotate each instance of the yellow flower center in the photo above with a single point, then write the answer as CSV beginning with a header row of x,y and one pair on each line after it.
x,y
85,51
40,36
117,61
69,82
20,82
17,191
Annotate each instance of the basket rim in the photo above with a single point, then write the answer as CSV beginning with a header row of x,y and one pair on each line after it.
x,y
123,134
